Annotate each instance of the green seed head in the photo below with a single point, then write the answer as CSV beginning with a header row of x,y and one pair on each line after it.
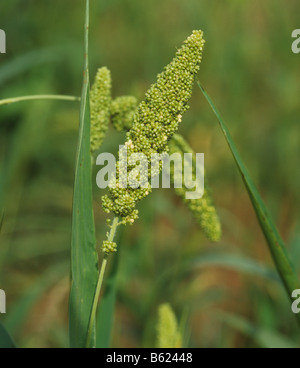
x,y
202,209
100,101
109,247
168,335
158,118
122,112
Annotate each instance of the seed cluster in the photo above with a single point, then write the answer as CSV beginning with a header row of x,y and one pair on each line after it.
x,y
123,110
157,119
100,102
109,247
202,209
168,332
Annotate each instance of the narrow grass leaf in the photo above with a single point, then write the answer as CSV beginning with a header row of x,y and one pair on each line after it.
x,y
276,244
25,62
8,101
235,263
6,342
262,337
84,256
18,314
1,219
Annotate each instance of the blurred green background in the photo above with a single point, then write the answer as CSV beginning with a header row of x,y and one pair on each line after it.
x,y
226,294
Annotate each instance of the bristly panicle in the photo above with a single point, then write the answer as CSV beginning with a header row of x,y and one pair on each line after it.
x,y
109,247
202,209
157,119
122,112
168,334
100,101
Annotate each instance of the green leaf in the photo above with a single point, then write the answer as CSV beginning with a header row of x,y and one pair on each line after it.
x,y
25,62
236,263
6,341
263,337
11,100
276,245
84,256
18,314
1,220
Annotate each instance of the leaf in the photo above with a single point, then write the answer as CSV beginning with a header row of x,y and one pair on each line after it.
x,y
18,314
263,337
6,341
237,263
8,101
1,221
276,245
106,311
25,62
84,257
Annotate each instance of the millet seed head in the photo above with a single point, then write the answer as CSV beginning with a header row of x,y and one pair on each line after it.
x,y
100,102
158,118
122,112
109,247
202,209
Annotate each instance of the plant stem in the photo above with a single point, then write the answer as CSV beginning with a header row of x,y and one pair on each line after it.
x,y
8,101
110,237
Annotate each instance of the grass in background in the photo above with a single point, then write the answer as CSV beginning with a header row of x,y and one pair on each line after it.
x,y
250,70
276,245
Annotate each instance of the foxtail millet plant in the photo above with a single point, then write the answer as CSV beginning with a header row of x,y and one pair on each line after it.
x,y
157,119
150,129
155,122
100,102
123,110
168,333
203,208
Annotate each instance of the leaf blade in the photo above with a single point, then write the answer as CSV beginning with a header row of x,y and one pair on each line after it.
x,y
276,245
6,342
235,263
264,338
84,270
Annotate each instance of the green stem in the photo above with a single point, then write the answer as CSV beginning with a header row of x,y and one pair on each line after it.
x,y
110,237
8,101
